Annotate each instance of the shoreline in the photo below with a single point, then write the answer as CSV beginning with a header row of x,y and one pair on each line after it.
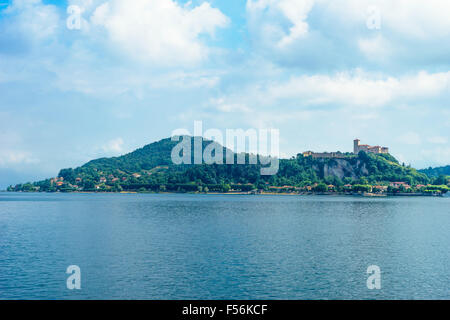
x,y
363,195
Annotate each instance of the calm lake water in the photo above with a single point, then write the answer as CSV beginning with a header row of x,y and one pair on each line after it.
x,y
176,246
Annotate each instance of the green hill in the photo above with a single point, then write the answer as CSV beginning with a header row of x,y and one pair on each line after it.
x,y
436,172
151,168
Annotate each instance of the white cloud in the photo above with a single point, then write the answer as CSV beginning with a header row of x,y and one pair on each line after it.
x,y
113,146
292,12
85,5
410,18
221,105
438,140
417,18
352,103
439,156
33,19
410,138
12,146
359,88
366,116
136,81
160,31
295,11
14,157
375,48
303,32
186,80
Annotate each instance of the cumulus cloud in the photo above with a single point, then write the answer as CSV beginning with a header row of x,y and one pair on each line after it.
x,y
296,12
372,106
123,48
25,24
41,20
113,146
315,34
345,89
159,30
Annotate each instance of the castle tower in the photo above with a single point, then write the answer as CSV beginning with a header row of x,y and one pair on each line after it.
x,y
356,146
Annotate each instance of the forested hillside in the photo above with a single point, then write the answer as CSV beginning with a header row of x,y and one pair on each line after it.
x,y
151,168
436,172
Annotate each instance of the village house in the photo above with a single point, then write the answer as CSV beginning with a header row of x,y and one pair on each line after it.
x,y
56,181
379,188
399,184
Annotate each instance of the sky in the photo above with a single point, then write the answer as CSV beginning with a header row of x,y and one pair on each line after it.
x,y
322,72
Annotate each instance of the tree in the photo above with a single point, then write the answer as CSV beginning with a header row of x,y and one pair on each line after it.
x,y
67,174
88,185
363,180
226,187
27,187
117,188
362,188
440,180
321,187
153,163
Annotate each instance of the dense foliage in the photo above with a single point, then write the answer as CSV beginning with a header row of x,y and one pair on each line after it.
x,y
151,169
436,172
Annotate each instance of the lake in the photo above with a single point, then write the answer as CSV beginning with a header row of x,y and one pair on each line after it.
x,y
189,246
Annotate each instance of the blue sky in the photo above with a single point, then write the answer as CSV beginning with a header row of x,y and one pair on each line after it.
x,y
322,72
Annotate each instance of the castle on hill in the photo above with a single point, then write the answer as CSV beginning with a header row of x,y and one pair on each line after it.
x,y
365,147
357,147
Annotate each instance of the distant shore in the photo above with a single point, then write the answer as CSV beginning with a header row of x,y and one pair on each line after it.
x,y
365,194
